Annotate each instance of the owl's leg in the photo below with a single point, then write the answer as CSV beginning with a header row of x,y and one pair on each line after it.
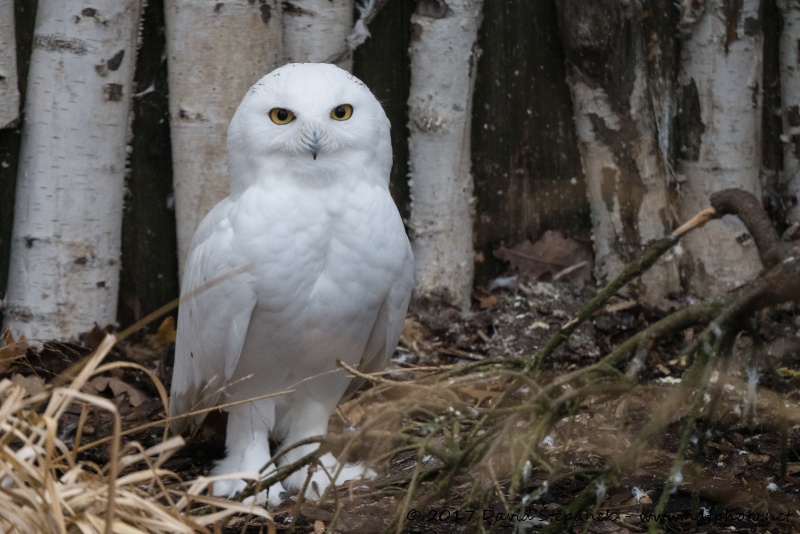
x,y
308,418
247,450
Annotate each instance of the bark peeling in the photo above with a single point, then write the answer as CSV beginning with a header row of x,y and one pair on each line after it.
x,y
599,40
435,9
112,92
689,122
732,12
116,60
59,43
793,119
622,190
623,98
789,65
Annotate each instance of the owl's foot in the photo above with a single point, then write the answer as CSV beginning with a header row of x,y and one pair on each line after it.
x,y
231,487
324,475
321,479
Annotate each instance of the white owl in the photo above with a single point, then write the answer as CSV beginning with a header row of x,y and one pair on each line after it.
x,y
315,266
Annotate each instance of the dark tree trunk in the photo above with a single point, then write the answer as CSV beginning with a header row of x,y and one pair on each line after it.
x,y
776,198
149,275
25,17
382,63
527,168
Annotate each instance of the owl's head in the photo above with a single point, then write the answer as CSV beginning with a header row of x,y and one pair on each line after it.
x,y
307,119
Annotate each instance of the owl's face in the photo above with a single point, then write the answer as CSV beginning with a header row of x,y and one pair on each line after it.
x,y
307,119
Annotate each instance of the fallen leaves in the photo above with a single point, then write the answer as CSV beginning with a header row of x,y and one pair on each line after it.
x,y
119,389
11,349
32,384
552,257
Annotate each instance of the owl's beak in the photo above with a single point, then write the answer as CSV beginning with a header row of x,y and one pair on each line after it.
x,y
313,142
314,149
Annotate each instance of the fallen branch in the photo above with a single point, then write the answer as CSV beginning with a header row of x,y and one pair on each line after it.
x,y
545,406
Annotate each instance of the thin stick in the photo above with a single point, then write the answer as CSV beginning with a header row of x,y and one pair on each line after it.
x,y
648,257
695,222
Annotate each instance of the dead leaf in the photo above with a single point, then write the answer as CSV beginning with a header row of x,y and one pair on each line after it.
x,y
480,395
118,387
97,335
352,412
485,298
145,352
416,337
793,468
11,350
166,332
551,255
31,383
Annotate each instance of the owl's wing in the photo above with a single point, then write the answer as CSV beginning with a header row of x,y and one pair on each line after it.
x,y
212,320
388,325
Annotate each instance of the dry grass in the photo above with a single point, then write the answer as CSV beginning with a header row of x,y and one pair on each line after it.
x,y
487,434
492,434
45,486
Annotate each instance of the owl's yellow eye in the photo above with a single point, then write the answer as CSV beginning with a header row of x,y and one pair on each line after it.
x,y
342,113
281,115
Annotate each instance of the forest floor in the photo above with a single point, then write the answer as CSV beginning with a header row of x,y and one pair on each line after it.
x,y
730,482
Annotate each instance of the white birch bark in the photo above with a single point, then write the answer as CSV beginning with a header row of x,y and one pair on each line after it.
x,y
723,58
629,200
790,96
622,93
9,93
316,31
626,175
443,65
65,250
216,51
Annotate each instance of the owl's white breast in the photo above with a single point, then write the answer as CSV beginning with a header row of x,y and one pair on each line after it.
x,y
323,260
305,242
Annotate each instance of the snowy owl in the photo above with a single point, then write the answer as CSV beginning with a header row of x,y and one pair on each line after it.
x,y
305,263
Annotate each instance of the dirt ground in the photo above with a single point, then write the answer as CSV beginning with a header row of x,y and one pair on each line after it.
x,y
731,481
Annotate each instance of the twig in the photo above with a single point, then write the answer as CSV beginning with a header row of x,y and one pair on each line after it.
x,y
695,222
567,270
649,256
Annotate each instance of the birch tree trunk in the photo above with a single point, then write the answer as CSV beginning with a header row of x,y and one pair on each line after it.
x,y
720,121
790,95
216,51
621,75
12,77
443,65
64,269
9,92
316,31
